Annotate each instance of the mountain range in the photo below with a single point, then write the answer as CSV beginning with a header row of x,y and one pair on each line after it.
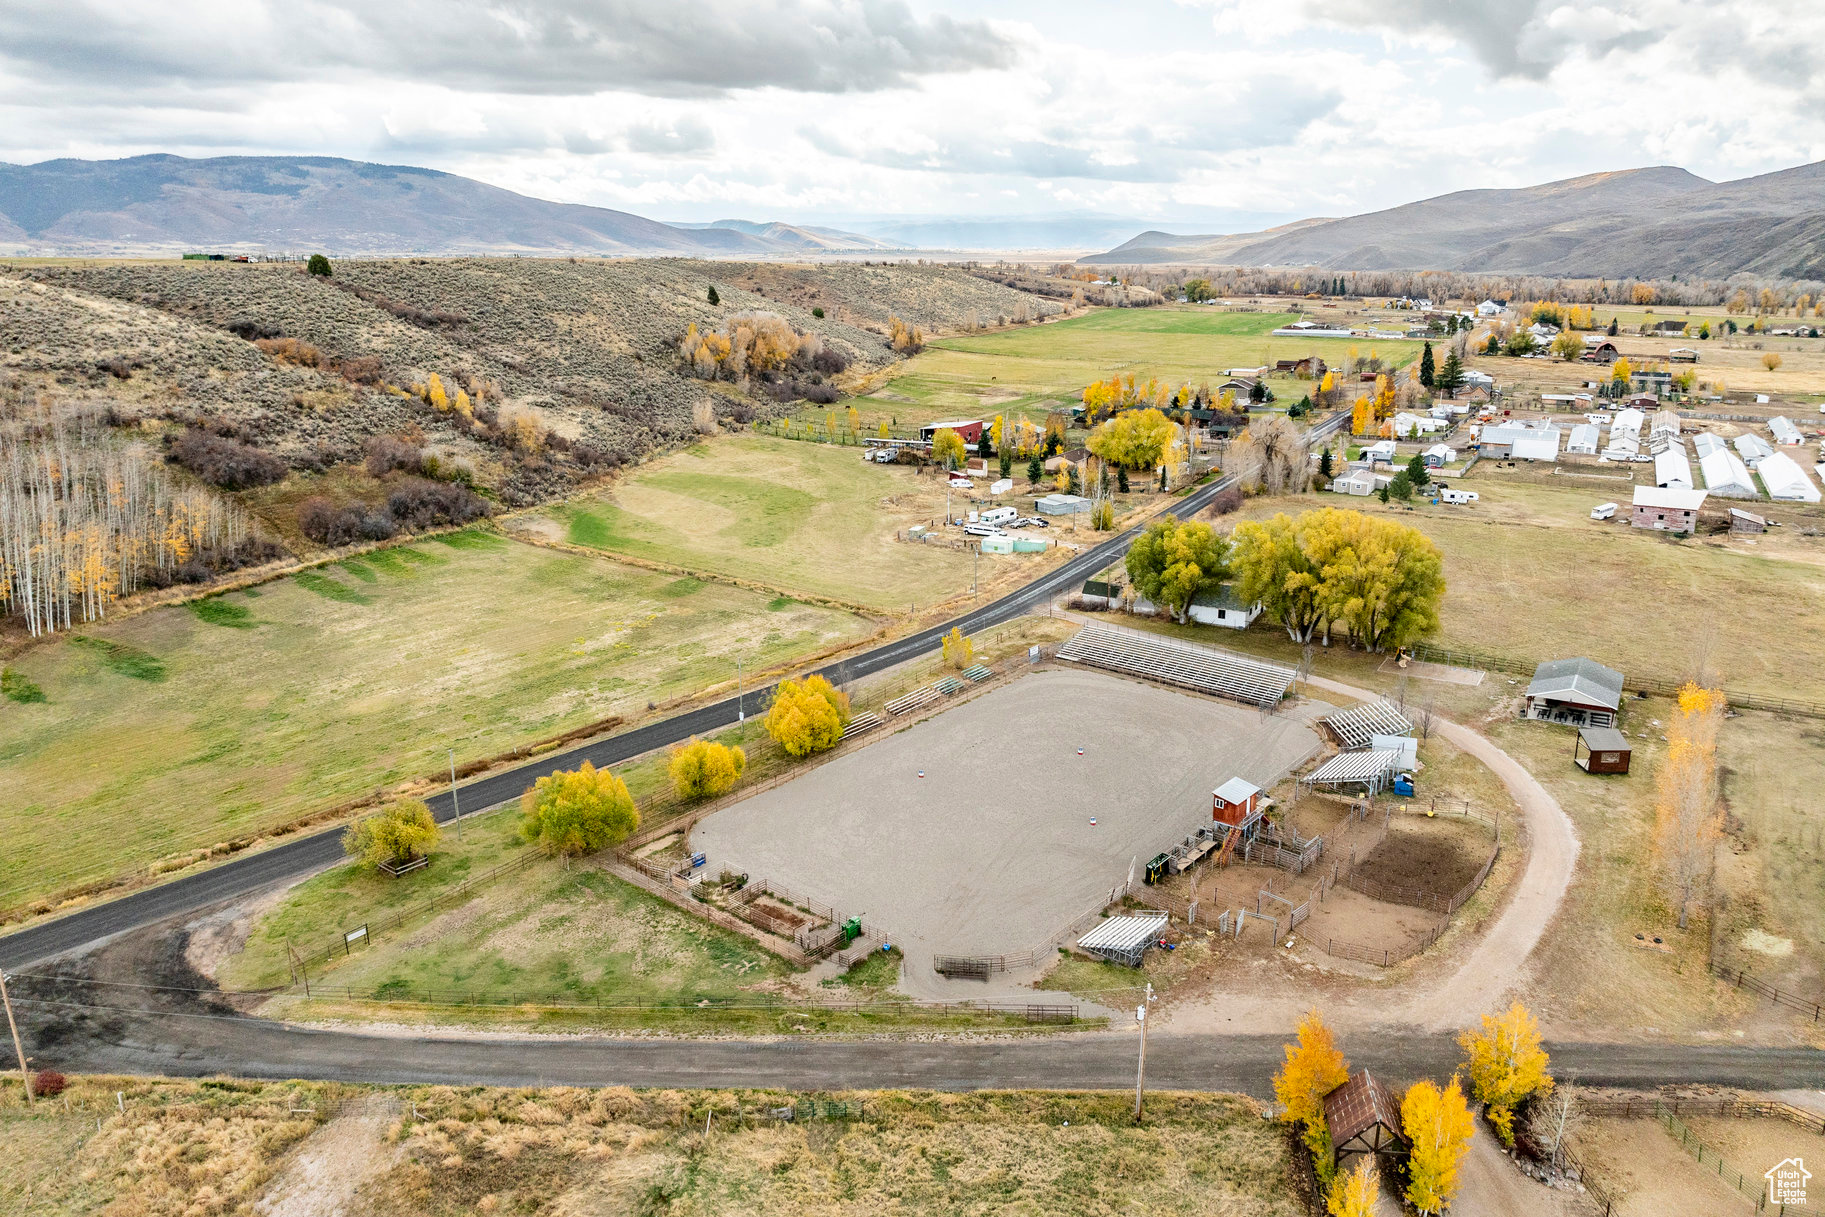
x,y
1658,222
160,204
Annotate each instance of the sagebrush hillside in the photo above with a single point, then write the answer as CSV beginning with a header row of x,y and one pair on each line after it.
x,y
310,368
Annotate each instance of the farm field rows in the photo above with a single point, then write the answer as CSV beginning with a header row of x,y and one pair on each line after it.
x,y
182,727
808,518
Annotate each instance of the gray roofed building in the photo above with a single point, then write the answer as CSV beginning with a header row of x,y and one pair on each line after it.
x,y
1578,691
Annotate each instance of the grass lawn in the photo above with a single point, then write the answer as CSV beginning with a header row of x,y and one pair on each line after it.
x,y
176,729
806,518
1031,370
1531,576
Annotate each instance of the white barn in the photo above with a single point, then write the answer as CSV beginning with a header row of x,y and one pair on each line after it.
x,y
1584,439
1752,448
1785,480
1519,442
1725,474
1671,468
1785,433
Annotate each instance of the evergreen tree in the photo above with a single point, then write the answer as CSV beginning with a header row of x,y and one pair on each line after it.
x,y
714,298
1417,472
1614,329
1007,462
985,447
1121,479
1426,366
1449,377
318,265
1035,470
1325,463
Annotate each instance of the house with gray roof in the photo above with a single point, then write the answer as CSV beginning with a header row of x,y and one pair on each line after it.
x,y
1578,691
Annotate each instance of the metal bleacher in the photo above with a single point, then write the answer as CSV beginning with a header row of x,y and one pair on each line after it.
x,y
1357,727
976,673
915,700
867,720
948,685
1206,669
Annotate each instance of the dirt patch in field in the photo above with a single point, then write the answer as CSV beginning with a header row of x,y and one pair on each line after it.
x,y
1420,860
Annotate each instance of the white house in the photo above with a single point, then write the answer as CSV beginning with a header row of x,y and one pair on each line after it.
x,y
1785,480
1785,433
1517,441
1381,450
1490,308
1220,607
1584,439
1439,455
1406,424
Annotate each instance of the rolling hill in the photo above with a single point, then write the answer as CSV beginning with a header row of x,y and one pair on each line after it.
x,y
1656,222
166,205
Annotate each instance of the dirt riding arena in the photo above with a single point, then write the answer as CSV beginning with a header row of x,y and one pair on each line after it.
x,y
970,833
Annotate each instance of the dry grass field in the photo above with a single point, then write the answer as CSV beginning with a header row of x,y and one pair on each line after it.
x,y
214,1148
1529,575
181,727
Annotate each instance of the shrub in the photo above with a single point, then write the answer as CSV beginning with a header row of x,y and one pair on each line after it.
x,y
223,462
324,522
578,812
291,350
48,1083
807,716
386,453
418,504
319,265
1227,500
399,834
252,329
818,393
703,769
818,313
361,369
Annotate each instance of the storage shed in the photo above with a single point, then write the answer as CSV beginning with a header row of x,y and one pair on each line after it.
x,y
969,430
1235,802
1667,510
1364,1118
1601,750
1746,521
1220,606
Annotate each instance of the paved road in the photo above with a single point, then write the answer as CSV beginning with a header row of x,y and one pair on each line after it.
x,y
311,853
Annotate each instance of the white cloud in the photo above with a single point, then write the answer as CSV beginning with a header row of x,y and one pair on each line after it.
x,y
802,109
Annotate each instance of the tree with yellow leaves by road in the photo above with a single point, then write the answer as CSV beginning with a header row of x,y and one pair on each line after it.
x,y
1507,1065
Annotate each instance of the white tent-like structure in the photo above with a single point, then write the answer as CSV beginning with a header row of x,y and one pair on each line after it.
x,y
1785,480
1671,468
1725,474
1785,433
1584,439
1704,443
1752,448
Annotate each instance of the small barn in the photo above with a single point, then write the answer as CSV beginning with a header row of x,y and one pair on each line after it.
x,y
1601,750
1236,803
1598,349
1364,1118
1670,509
1579,691
1221,606
1746,521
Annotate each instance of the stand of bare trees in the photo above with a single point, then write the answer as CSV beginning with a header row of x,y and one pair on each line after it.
x,y
85,520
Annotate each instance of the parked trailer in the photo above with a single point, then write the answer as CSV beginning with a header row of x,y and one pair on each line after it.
x,y
1448,494
999,515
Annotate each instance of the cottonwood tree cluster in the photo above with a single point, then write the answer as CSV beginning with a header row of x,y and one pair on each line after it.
x,y
402,832
1334,570
703,769
764,347
578,812
1136,439
807,715
1271,456
1176,559
1688,820
85,521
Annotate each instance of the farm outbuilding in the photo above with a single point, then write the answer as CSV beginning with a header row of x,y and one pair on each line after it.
x,y
1370,770
1672,470
1584,439
968,429
1517,441
1725,474
1746,521
1580,691
1220,606
1667,509
1598,349
1785,433
1235,802
1601,750
1785,480
1124,940
1364,1118
1753,449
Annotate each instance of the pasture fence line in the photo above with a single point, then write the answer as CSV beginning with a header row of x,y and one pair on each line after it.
x,y
1738,979
1651,685
1751,1187
1387,957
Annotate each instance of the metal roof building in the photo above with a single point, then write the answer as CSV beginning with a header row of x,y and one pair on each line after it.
x,y
1785,480
1724,472
1671,468
1124,939
1370,769
1584,439
1580,691
1356,727
1785,433
1753,449
1364,1118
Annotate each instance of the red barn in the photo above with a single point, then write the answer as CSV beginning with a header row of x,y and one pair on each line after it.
x,y
968,429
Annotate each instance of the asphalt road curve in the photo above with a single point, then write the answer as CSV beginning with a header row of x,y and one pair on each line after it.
x,y
307,854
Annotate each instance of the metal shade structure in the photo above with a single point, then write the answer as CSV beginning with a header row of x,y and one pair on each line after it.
x,y
1357,727
1371,769
1124,939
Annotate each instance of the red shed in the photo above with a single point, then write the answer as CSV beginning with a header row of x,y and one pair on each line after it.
x,y
967,429
1236,802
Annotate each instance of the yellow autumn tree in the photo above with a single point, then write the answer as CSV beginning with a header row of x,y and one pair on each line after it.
x,y
882,430
579,811
1362,417
1771,361
1137,439
1438,1126
1621,370
1384,396
402,832
807,715
854,418
1506,1064
948,448
959,651
1688,821
435,394
1314,1067
1355,1194
703,769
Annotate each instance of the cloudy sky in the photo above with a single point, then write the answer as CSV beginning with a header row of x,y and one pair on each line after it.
x,y
1203,113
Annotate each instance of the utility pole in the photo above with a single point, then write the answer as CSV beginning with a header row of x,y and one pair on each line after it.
x,y
453,804
741,711
1140,1071
25,1074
